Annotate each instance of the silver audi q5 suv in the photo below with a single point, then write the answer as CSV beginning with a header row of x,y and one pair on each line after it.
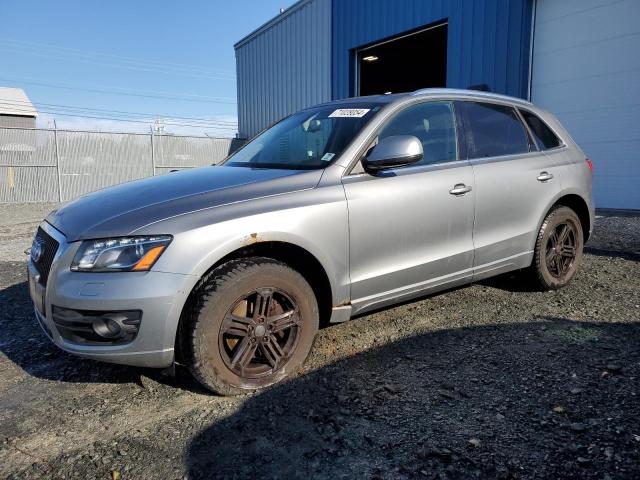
x,y
333,211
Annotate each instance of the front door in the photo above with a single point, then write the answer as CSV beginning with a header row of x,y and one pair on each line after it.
x,y
411,227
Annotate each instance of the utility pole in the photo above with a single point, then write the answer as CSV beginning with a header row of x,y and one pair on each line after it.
x,y
153,156
55,140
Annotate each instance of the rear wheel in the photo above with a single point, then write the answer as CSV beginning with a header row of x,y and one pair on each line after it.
x,y
558,250
252,323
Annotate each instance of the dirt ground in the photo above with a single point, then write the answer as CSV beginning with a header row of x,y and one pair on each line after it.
x,y
485,381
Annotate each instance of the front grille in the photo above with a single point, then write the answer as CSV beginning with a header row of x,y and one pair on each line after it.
x,y
49,248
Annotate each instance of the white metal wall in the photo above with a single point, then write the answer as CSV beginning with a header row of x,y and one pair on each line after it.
x,y
284,66
586,70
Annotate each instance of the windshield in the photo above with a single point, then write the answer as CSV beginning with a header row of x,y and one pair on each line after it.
x,y
306,140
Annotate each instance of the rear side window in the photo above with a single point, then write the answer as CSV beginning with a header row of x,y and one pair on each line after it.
x,y
493,130
542,134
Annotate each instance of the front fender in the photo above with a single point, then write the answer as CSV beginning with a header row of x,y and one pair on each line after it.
x,y
315,220
334,267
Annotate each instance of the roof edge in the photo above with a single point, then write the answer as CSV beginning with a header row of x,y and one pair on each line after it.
x,y
468,93
270,23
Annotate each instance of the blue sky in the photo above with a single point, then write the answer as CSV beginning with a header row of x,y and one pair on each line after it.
x,y
174,60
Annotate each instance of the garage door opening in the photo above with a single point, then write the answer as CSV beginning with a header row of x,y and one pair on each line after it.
x,y
404,64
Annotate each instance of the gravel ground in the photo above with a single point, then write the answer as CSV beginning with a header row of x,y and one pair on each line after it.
x,y
485,381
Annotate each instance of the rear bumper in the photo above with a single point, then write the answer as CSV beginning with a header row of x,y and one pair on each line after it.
x,y
159,295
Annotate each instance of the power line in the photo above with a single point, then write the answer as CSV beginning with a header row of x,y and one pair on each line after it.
x,y
24,103
128,67
112,92
124,58
147,122
120,61
22,108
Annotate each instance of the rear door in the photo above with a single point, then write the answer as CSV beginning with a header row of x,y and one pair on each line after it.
x,y
514,183
410,228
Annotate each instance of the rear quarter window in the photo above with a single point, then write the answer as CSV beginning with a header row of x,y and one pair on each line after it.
x,y
542,134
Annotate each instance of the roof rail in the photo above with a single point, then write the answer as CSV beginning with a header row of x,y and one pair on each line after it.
x,y
470,93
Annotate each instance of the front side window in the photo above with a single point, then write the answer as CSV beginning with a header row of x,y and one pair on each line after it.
x,y
433,124
307,140
542,134
493,130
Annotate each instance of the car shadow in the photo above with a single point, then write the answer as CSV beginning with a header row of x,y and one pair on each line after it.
x,y
601,252
552,398
516,282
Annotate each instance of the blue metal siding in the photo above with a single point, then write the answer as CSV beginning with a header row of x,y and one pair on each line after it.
x,y
284,66
488,42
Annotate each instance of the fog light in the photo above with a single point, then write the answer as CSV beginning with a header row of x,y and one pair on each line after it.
x,y
109,326
96,327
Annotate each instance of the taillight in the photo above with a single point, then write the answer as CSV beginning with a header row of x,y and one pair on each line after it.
x,y
589,164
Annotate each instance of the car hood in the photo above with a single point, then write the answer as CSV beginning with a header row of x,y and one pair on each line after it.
x,y
123,209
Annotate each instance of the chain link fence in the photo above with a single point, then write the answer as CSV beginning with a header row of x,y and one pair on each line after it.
x,y
43,165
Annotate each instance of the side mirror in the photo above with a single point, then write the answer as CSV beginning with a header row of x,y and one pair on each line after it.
x,y
394,151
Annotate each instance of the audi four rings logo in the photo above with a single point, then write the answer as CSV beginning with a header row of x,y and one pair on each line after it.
x,y
36,250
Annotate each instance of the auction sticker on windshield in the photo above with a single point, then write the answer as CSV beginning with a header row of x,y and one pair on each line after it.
x,y
349,113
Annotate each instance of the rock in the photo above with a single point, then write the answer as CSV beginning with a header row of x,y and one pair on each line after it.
x,y
576,391
423,453
558,409
614,367
443,454
475,442
448,394
608,453
392,388
578,427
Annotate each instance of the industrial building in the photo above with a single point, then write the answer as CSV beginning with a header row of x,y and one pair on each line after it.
x,y
16,110
576,58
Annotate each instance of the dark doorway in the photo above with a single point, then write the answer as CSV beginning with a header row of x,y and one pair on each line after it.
x,y
405,63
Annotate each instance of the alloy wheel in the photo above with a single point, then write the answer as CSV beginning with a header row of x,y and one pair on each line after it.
x,y
259,333
561,249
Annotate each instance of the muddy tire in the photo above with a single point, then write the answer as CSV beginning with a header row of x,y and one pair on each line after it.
x,y
250,324
558,249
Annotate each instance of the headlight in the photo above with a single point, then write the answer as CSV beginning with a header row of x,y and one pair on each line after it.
x,y
120,254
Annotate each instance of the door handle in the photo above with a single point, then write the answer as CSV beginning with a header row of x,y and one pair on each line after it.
x,y
545,176
459,189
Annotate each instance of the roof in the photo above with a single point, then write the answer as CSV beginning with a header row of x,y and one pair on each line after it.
x,y
13,101
382,99
428,92
467,93
274,21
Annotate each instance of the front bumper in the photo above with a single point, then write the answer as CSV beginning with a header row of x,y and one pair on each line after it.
x,y
159,295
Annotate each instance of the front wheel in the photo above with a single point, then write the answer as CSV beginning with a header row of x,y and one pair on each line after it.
x,y
252,323
558,250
